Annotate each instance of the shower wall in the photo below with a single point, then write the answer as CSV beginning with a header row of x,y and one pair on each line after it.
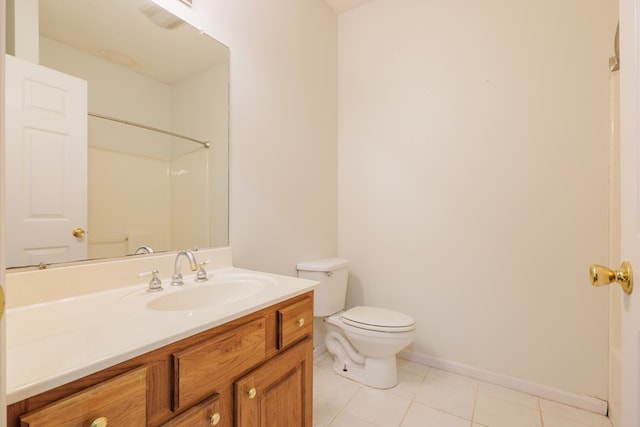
x,y
473,179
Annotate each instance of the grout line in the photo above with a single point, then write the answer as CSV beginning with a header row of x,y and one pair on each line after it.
x,y
540,412
348,401
423,378
475,403
406,413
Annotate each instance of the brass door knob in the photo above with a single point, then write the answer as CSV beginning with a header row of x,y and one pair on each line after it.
x,y
78,232
601,276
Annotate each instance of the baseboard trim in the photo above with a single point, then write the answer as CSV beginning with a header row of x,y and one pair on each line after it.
x,y
318,350
587,403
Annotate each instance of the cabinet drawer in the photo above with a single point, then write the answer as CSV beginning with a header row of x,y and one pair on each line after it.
x,y
214,411
120,401
295,322
203,369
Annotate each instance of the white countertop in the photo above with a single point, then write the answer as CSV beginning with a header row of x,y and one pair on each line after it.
x,y
55,342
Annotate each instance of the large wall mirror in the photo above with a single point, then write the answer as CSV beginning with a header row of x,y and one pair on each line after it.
x,y
156,129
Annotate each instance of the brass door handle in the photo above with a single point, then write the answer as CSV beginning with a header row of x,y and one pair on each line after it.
x,y
78,232
601,276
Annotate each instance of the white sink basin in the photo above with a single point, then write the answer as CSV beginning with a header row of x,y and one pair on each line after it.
x,y
200,296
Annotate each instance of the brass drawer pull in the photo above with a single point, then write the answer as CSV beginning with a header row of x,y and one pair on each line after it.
x,y
252,393
215,419
99,422
300,322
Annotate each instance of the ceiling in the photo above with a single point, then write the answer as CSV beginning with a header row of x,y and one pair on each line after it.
x,y
119,31
341,6
89,25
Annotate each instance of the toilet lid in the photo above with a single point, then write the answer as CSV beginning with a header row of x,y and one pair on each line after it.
x,y
378,319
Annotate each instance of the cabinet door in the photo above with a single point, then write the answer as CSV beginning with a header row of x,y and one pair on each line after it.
x,y
279,393
214,411
209,367
121,401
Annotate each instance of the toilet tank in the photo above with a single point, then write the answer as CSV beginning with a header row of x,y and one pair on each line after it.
x,y
331,293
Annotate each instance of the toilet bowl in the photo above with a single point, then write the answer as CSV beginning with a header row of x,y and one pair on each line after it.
x,y
363,341
368,355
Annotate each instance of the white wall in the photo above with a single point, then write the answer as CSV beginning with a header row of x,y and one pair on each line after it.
x,y
473,138
473,161
283,127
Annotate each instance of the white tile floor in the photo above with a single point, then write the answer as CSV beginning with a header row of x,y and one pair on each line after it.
x,y
429,397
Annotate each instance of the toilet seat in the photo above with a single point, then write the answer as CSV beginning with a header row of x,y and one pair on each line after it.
x,y
378,319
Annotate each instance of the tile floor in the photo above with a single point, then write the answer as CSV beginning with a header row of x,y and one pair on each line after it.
x,y
429,397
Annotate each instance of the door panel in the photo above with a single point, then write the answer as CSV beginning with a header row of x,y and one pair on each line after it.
x,y
630,207
3,345
46,144
615,292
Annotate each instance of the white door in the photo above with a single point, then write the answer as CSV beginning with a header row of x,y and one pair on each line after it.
x,y
630,206
3,351
46,165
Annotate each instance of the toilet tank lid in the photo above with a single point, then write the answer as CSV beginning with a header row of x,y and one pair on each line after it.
x,y
324,264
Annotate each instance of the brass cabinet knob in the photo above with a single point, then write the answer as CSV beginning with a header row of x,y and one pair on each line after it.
x,y
214,419
99,422
300,322
252,393
601,276
79,233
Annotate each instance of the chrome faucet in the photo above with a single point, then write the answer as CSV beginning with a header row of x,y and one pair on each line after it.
x,y
143,250
176,280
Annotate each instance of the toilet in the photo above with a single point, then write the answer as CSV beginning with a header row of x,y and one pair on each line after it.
x,y
363,340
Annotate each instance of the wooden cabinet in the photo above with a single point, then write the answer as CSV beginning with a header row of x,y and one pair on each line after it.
x,y
213,411
295,321
119,401
279,393
205,379
199,370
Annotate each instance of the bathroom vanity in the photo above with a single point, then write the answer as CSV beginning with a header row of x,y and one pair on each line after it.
x,y
247,361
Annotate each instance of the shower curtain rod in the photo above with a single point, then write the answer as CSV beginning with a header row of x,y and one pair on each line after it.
x,y
206,144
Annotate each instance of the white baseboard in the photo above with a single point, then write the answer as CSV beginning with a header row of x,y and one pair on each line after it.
x,y
587,403
318,350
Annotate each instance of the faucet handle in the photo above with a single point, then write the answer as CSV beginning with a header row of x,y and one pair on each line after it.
x,y
155,284
201,275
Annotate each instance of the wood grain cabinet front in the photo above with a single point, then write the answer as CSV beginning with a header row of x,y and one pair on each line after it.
x,y
278,393
208,367
295,321
120,401
252,371
217,411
